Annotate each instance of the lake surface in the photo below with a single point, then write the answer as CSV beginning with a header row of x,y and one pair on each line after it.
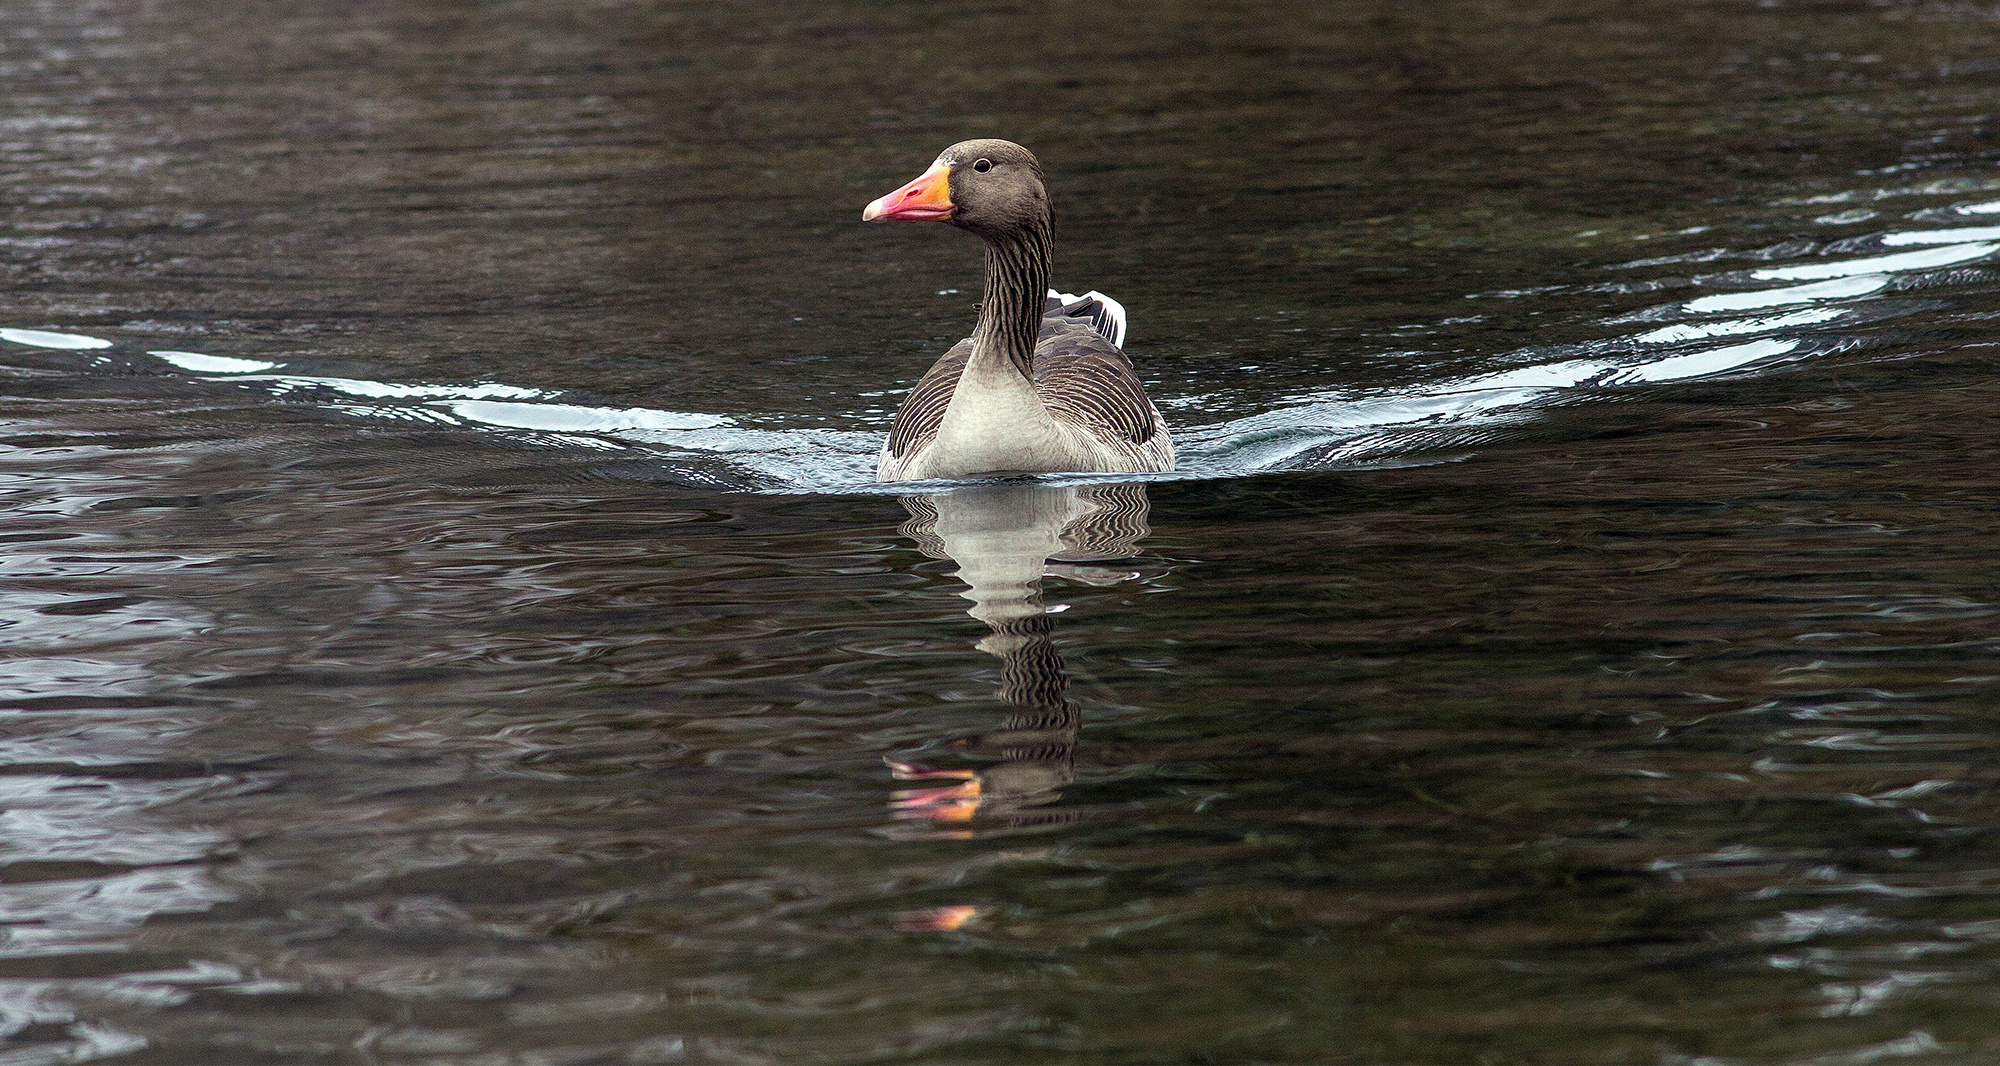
x,y
448,617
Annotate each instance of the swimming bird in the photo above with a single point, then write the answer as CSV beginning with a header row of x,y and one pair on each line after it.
x,y
1041,386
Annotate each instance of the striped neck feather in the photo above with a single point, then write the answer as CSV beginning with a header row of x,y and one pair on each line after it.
x,y
1017,285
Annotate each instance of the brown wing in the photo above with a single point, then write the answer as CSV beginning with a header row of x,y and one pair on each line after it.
x,y
922,412
1085,379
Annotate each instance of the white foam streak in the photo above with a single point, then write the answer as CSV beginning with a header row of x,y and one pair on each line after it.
x,y
36,338
1837,289
1605,372
213,364
383,390
1943,236
570,418
1933,257
1694,331
1704,364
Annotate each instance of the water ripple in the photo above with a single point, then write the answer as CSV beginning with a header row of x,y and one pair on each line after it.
x,y
1324,428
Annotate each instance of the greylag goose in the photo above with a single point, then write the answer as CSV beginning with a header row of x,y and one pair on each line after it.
x,y
1041,385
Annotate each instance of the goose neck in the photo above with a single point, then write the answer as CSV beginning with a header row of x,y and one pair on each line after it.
x,y
1017,285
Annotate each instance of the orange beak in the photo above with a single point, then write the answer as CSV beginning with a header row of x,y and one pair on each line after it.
x,y
924,200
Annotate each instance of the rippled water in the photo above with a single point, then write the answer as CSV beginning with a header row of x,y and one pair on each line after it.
x,y
447,614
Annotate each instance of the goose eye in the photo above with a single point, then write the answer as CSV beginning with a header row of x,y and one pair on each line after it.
x,y
983,165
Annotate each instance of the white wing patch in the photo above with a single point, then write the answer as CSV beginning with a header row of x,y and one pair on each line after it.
x,y
1107,316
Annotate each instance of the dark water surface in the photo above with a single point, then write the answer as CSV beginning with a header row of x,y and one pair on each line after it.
x,y
446,616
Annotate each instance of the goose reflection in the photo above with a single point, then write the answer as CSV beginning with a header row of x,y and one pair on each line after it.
x,y
1005,537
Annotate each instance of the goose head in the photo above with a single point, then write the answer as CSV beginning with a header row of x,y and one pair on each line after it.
x,y
990,187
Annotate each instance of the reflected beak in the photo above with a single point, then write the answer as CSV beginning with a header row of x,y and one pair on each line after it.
x,y
926,199
936,919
